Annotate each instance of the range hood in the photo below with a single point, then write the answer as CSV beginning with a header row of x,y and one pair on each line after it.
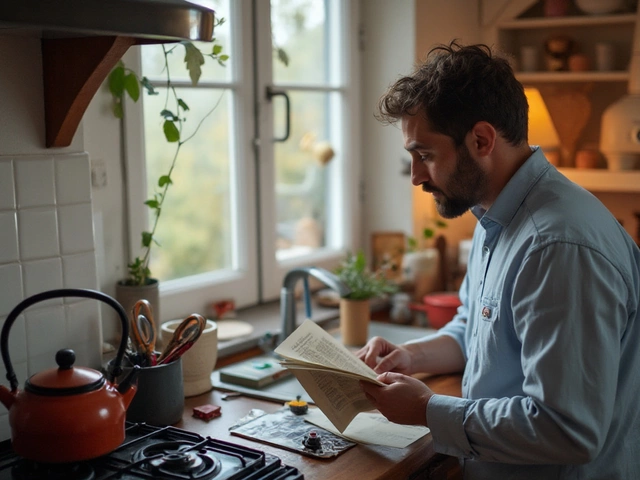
x,y
162,20
82,40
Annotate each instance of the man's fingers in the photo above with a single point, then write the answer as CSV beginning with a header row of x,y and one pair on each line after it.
x,y
387,363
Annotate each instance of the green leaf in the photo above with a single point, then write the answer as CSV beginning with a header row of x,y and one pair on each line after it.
x,y
148,86
118,112
132,87
168,115
194,59
171,132
216,49
116,81
152,203
164,180
223,58
183,105
146,239
428,233
282,56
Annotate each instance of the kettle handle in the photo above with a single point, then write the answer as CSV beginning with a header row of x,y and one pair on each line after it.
x,y
63,292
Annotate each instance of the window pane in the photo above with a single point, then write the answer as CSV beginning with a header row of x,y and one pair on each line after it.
x,y
301,174
153,59
298,27
195,225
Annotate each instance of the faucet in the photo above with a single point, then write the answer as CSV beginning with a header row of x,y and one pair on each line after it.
x,y
288,300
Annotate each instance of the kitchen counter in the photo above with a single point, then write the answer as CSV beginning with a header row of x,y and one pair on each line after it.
x,y
416,461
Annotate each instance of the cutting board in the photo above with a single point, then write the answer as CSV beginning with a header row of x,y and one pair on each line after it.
x,y
570,111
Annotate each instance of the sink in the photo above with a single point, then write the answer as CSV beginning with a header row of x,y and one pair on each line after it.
x,y
288,388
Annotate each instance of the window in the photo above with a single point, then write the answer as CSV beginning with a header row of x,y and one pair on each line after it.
x,y
255,192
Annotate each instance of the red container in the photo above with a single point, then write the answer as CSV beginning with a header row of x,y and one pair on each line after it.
x,y
441,307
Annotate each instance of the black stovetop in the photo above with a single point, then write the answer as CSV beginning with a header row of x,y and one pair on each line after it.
x,y
160,453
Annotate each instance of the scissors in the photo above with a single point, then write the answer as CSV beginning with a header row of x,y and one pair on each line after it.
x,y
143,331
183,338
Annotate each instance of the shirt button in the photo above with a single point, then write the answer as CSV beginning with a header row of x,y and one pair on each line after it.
x,y
485,250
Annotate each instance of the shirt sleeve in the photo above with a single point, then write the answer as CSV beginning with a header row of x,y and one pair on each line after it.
x,y
569,311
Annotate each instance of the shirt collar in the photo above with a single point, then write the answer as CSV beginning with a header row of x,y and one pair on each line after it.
x,y
515,191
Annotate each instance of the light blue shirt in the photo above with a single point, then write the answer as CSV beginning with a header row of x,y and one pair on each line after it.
x,y
549,326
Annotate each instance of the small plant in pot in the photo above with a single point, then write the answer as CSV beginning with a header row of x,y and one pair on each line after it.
x,y
125,82
355,308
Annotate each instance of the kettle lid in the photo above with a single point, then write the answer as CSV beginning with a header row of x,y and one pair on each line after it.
x,y
66,379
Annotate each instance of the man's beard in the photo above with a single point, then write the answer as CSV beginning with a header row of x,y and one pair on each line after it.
x,y
465,188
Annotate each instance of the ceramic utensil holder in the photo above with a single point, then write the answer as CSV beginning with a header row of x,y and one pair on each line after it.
x,y
159,400
199,361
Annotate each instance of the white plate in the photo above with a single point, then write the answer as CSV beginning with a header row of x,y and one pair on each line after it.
x,y
230,329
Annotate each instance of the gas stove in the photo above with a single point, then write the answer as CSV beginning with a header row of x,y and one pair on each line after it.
x,y
157,452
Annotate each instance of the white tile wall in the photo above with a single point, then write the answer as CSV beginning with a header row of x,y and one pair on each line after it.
x,y
47,242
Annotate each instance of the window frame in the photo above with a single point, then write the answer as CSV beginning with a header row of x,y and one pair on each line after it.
x,y
251,281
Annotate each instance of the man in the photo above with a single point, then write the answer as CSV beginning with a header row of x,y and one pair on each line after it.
x,y
547,334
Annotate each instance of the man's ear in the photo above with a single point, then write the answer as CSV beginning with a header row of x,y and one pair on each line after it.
x,y
482,139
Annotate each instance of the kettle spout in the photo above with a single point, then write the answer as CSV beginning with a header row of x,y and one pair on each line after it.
x,y
127,388
7,397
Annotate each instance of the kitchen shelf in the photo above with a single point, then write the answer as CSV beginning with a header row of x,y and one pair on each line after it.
x,y
563,22
589,76
602,180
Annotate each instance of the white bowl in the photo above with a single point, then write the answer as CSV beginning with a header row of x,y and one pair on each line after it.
x,y
600,7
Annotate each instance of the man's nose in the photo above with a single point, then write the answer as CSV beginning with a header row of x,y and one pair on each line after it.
x,y
419,173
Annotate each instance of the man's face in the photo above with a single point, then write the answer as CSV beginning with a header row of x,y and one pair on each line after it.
x,y
450,174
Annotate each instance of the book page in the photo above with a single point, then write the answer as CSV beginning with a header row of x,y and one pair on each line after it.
x,y
338,396
372,428
293,365
311,344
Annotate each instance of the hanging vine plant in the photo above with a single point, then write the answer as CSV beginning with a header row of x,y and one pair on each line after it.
x,y
123,81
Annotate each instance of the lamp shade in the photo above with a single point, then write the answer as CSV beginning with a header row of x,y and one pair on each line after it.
x,y
541,129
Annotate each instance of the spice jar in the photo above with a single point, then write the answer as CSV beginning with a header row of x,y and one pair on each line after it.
x,y
400,312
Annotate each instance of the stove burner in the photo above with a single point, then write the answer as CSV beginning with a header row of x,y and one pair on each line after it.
x,y
30,470
180,462
175,458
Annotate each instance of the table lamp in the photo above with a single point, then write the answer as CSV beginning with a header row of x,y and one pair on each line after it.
x,y
542,132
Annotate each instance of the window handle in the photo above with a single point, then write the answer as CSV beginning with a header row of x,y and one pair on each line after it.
x,y
271,92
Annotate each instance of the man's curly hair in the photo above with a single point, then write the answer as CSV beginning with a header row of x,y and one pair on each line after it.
x,y
457,87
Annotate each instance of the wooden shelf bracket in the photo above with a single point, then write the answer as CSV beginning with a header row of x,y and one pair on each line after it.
x,y
73,70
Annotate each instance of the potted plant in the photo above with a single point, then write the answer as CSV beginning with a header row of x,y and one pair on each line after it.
x,y
355,308
122,81
420,260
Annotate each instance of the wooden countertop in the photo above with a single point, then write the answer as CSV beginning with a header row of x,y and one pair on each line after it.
x,y
416,461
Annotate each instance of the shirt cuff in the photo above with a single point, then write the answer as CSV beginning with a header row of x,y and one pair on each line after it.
x,y
445,419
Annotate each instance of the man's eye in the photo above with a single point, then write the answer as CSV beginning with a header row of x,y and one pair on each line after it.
x,y
424,158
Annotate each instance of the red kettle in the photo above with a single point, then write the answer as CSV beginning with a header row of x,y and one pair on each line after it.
x,y
67,414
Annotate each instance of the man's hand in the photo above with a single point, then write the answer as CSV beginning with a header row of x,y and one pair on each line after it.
x,y
403,400
384,356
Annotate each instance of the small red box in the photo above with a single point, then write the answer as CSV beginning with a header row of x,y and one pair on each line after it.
x,y
207,412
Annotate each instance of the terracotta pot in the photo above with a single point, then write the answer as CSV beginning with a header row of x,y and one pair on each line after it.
x,y
128,295
354,321
556,8
587,159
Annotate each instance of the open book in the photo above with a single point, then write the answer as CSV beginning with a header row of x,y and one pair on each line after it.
x,y
329,373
